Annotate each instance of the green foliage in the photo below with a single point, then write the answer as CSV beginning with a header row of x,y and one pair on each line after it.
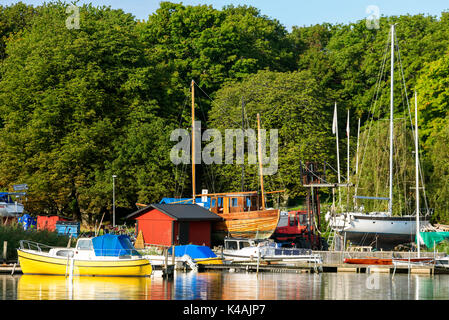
x,y
290,102
79,105
14,233
373,176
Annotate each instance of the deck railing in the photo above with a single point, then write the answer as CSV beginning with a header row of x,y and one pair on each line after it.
x,y
32,245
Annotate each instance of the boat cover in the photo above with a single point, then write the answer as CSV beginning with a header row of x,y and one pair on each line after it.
x,y
27,222
431,238
113,245
194,251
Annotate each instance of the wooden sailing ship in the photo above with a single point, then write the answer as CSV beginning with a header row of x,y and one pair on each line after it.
x,y
244,213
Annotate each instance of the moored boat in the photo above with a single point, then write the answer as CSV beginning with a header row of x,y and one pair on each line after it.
x,y
442,262
108,255
199,254
251,250
385,261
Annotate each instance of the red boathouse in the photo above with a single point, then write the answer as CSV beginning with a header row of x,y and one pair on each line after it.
x,y
175,224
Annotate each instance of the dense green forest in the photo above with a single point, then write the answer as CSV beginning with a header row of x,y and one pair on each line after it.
x,y
78,105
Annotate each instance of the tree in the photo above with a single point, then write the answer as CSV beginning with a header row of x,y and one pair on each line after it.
x,y
290,102
65,98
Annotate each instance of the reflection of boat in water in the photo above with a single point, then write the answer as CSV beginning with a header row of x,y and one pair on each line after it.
x,y
49,287
108,255
250,250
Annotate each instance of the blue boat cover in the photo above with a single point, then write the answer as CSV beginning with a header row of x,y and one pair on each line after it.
x,y
27,221
113,245
186,201
194,251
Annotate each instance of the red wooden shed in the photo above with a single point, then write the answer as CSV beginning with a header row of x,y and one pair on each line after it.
x,y
48,222
175,224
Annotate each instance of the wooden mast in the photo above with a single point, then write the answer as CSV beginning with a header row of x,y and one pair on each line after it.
x,y
193,141
260,162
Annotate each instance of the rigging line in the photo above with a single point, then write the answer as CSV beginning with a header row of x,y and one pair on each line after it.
x,y
213,101
373,108
413,132
180,119
208,170
314,174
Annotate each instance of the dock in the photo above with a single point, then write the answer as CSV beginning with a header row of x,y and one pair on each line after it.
x,y
332,262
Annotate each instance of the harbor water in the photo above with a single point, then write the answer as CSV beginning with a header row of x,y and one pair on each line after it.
x,y
229,286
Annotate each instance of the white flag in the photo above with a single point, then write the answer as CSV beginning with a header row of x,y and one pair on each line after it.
x,y
347,126
334,122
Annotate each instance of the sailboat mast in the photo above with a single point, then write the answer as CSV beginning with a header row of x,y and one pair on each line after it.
x,y
193,141
243,128
357,163
417,174
260,161
390,201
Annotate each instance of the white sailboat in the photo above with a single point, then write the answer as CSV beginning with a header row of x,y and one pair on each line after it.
x,y
380,229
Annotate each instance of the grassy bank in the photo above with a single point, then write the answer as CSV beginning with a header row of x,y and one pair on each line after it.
x,y
14,233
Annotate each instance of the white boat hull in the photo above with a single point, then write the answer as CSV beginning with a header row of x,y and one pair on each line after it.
x,y
10,209
269,254
379,230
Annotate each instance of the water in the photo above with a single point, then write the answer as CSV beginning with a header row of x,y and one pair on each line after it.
x,y
229,286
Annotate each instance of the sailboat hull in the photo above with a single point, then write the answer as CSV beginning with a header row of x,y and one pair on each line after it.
x,y
259,224
380,231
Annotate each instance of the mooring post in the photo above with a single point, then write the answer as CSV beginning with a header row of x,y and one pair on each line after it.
x,y
5,250
258,262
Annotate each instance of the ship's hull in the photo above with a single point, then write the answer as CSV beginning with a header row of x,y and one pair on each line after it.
x,y
250,225
379,231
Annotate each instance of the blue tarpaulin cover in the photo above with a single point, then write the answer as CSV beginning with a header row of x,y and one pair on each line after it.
x,y
113,245
194,251
28,222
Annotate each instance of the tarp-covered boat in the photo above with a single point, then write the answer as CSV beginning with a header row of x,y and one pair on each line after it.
x,y
107,255
199,254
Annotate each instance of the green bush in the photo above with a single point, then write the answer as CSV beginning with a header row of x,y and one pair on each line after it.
x,y
14,233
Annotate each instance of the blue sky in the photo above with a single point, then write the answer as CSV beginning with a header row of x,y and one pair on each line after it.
x,y
288,12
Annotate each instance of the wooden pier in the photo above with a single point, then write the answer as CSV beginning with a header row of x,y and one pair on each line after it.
x,y
332,262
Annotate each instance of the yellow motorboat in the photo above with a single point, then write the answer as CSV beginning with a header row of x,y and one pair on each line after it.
x,y
108,255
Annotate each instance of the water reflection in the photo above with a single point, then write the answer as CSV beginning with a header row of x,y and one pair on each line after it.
x,y
228,286
41,287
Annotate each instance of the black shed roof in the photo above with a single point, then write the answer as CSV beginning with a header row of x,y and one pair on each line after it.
x,y
185,212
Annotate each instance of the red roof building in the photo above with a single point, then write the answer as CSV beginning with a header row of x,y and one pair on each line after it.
x,y
175,224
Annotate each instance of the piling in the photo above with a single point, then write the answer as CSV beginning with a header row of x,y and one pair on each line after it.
x,y
5,251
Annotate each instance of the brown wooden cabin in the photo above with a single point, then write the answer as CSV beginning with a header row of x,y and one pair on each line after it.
x,y
224,203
